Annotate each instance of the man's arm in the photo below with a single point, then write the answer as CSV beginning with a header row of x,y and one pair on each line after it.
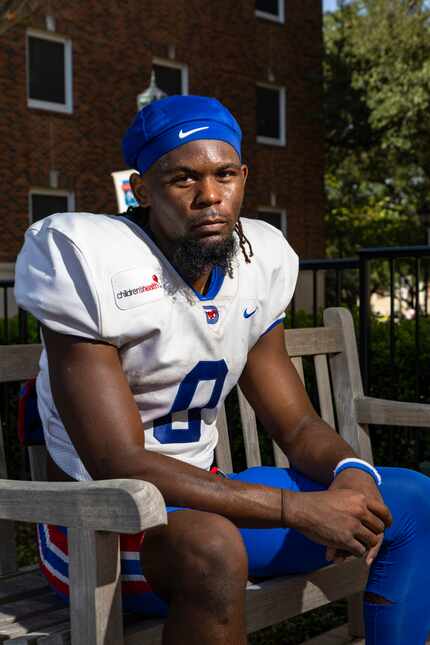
x,y
100,415
96,405
273,388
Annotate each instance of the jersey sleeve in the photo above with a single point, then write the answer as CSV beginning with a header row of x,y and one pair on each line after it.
x,y
284,279
54,283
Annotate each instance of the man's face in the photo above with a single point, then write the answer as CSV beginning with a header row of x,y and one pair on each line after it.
x,y
194,193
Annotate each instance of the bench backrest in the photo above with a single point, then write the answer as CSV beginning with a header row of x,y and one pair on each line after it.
x,y
332,349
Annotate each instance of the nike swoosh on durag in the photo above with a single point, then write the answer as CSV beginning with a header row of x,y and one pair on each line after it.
x,y
248,315
183,134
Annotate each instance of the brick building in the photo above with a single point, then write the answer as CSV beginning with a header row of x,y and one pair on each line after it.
x,y
70,75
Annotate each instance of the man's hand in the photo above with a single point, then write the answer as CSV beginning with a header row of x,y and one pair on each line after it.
x,y
354,479
345,520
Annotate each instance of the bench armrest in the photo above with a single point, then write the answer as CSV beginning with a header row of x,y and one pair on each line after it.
x,y
393,413
117,505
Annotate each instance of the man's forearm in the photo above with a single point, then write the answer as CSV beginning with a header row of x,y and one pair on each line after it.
x,y
315,449
187,486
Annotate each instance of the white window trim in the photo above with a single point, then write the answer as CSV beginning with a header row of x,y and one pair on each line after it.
x,y
163,62
280,17
282,141
67,107
54,192
276,211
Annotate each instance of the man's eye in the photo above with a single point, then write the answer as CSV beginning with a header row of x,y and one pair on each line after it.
x,y
226,174
182,179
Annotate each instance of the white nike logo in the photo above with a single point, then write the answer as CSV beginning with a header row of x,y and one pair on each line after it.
x,y
183,134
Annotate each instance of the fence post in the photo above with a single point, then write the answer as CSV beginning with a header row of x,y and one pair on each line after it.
x,y
364,319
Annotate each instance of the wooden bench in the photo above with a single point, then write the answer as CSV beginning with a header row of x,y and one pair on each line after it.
x,y
96,511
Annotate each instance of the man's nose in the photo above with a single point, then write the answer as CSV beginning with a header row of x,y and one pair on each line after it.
x,y
208,193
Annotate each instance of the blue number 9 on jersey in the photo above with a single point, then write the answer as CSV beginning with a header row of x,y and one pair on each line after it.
x,y
203,371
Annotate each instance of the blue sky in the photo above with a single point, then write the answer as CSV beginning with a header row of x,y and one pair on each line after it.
x,y
329,5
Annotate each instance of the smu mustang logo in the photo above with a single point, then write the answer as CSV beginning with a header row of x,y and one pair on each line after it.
x,y
212,314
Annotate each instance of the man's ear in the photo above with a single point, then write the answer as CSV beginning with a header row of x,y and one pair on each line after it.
x,y
140,191
244,170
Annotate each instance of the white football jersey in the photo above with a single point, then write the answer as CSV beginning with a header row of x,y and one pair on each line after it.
x,y
102,277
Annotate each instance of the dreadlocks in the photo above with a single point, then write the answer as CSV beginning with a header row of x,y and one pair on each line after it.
x,y
243,240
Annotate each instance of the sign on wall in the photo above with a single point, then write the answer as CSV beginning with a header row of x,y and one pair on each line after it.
x,y
124,194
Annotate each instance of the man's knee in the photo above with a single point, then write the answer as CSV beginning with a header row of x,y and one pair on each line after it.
x,y
197,553
407,493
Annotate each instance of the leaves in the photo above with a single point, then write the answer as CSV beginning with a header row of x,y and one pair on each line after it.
x,y
377,97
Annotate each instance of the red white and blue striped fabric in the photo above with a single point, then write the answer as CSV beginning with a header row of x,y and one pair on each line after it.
x,y
137,595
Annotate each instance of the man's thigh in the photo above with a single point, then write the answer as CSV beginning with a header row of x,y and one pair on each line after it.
x,y
282,551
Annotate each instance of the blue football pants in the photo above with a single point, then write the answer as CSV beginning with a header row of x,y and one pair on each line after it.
x,y
400,573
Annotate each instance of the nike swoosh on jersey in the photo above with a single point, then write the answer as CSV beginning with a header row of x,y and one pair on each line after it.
x,y
248,315
183,135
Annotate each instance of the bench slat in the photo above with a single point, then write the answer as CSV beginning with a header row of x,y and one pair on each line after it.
x,y
347,384
281,461
249,428
22,585
394,413
19,362
324,389
298,364
34,623
281,598
222,450
54,635
37,456
19,610
313,340
123,505
95,587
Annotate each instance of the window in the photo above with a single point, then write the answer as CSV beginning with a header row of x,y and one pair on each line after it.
x,y
171,77
271,115
49,72
270,9
45,202
277,217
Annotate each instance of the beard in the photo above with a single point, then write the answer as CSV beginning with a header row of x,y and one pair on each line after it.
x,y
192,257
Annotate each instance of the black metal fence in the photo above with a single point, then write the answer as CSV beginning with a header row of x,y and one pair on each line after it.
x,y
396,276
394,345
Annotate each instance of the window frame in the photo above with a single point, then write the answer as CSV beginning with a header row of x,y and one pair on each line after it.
x,y
276,211
183,67
279,18
48,192
52,106
282,140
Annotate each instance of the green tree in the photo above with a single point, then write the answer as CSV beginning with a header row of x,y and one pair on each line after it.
x,y
377,117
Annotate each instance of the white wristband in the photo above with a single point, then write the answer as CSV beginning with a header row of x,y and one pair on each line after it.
x,y
360,464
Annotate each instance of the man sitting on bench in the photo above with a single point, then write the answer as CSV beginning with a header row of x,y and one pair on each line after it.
x,y
148,320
